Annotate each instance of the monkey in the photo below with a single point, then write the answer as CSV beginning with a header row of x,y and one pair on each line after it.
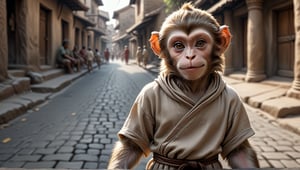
x,y
188,115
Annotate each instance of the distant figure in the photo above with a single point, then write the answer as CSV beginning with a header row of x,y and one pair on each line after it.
x,y
139,55
98,58
90,58
77,56
106,55
126,54
83,54
145,56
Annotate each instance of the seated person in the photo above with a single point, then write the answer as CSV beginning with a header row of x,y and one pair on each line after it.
x,y
83,54
80,61
63,58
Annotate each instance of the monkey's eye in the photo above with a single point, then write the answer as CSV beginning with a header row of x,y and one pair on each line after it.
x,y
178,45
200,43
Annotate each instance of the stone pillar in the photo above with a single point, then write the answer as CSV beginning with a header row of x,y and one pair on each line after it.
x,y
32,8
255,42
229,52
294,91
3,42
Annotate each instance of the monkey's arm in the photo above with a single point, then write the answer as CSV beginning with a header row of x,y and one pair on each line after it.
x,y
125,155
243,157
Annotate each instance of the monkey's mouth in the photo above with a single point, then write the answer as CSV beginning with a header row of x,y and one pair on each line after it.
x,y
192,67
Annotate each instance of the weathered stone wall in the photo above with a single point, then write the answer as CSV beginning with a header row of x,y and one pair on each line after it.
x,y
126,19
3,42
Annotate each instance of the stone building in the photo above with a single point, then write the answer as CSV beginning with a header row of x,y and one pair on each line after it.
x,y
97,31
33,30
106,38
125,18
149,17
266,41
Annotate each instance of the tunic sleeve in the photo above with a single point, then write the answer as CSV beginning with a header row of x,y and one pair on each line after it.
x,y
238,129
139,124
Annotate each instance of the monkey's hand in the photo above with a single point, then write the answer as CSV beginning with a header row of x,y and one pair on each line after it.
x,y
125,155
243,157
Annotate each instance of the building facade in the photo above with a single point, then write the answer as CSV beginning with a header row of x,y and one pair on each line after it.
x,y
265,43
33,30
125,18
149,17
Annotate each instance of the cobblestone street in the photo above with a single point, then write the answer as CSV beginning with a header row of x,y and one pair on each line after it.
x,y
276,147
76,128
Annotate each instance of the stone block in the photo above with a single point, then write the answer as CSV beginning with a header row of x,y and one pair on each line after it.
x,y
32,158
9,111
21,84
275,156
281,107
248,90
290,163
69,165
85,157
6,91
39,165
256,101
58,157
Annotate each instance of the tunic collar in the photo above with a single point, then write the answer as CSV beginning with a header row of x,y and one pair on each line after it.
x,y
169,85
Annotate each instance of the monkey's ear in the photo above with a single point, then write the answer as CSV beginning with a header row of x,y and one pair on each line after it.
x,y
154,42
225,37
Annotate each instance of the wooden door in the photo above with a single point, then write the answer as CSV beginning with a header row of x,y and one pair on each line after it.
x,y
65,30
285,42
77,37
12,32
44,34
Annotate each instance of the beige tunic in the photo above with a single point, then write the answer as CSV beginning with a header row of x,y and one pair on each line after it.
x,y
165,121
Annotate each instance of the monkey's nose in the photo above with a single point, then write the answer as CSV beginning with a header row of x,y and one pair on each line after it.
x,y
190,57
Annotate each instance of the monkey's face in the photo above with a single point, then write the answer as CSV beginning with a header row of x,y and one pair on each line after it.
x,y
191,52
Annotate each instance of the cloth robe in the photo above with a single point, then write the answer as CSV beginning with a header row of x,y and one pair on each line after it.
x,y
164,120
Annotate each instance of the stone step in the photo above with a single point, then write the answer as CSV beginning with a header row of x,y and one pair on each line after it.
x,y
47,72
17,73
6,91
13,87
14,106
46,67
56,84
281,107
52,73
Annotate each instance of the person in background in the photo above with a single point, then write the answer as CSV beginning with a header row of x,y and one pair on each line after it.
x,y
106,55
145,56
63,59
80,61
83,54
139,56
98,58
126,54
90,59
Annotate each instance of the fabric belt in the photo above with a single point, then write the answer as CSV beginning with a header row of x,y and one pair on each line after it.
x,y
182,164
